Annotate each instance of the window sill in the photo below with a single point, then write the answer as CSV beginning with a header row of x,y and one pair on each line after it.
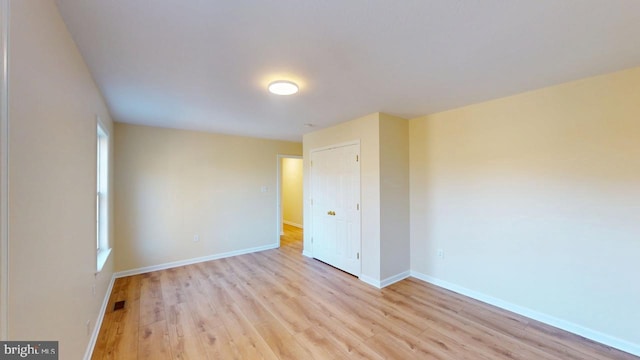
x,y
102,258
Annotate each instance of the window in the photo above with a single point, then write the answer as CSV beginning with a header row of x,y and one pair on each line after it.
x,y
102,197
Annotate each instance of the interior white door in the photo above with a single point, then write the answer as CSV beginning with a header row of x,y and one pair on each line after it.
x,y
335,203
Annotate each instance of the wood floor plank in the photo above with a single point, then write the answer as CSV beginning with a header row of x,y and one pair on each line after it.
x,y
153,341
245,339
292,320
278,304
151,301
171,287
204,315
183,334
218,294
320,345
245,298
334,340
217,343
282,343
389,347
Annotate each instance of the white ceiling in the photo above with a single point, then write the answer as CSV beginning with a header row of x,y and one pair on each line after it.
x,y
205,64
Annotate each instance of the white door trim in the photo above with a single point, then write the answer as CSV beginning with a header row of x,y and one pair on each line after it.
x,y
279,227
4,170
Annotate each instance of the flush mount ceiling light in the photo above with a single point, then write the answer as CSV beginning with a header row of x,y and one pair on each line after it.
x,y
283,87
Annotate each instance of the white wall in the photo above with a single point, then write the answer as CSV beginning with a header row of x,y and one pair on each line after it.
x,y
292,191
535,200
172,185
52,174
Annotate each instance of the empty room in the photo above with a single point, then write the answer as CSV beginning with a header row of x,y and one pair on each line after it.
x,y
416,179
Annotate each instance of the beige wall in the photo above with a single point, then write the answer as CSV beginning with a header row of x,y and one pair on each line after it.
x,y
534,200
292,191
52,174
366,130
172,185
394,196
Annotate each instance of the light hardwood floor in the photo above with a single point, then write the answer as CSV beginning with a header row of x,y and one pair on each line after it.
x,y
278,304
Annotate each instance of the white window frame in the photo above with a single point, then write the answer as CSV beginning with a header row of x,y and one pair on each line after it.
x,y
103,248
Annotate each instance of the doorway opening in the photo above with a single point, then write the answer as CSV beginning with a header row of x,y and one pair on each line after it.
x,y
290,194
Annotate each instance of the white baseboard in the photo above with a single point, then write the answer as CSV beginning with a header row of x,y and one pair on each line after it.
x,y
371,281
307,253
535,315
98,324
173,264
395,278
384,282
292,223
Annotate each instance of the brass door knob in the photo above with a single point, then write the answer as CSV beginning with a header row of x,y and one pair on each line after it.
x,y
332,213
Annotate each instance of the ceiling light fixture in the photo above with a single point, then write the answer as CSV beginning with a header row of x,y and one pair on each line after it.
x,y
283,87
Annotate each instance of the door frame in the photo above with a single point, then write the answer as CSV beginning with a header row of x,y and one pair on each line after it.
x,y
279,225
329,147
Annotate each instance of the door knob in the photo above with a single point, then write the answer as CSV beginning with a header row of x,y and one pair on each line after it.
x,y
332,213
